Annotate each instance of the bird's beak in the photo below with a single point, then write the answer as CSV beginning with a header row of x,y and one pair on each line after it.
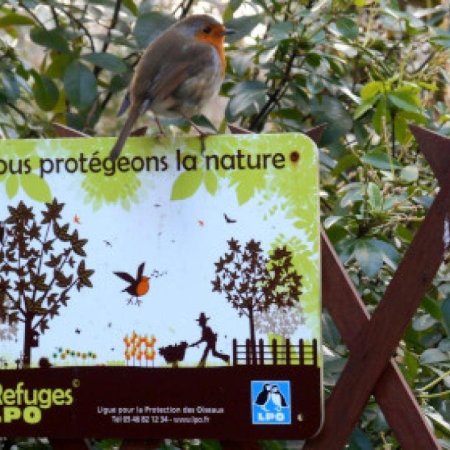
x,y
228,31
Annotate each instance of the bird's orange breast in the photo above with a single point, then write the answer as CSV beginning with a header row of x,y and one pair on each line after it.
x,y
143,286
217,42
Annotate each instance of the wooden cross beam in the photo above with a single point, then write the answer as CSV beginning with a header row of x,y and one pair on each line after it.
x,y
372,342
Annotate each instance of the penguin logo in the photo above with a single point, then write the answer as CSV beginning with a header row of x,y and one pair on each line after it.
x,y
271,402
264,396
277,398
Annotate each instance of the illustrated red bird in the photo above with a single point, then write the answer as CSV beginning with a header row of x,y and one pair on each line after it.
x,y
138,286
178,73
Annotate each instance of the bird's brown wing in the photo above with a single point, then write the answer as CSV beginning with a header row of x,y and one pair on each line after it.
x,y
158,76
125,276
140,271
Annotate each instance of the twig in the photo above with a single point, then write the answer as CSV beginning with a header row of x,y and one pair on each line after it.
x,y
55,15
112,25
184,8
32,14
18,111
256,122
80,24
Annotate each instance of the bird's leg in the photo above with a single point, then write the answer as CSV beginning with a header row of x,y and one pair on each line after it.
x,y
130,301
160,128
201,133
138,302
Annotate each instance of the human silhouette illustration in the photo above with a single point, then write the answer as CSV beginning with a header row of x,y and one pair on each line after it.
x,y
210,338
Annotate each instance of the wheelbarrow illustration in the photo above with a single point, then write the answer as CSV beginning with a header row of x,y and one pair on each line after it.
x,y
173,354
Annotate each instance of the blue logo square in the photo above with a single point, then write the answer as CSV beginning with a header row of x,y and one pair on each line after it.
x,y
271,402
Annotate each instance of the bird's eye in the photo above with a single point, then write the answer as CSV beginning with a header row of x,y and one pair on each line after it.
x,y
207,30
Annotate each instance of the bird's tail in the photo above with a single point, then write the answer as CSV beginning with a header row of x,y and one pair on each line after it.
x,y
124,133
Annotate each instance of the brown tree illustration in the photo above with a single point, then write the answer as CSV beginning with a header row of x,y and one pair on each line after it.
x,y
40,263
253,282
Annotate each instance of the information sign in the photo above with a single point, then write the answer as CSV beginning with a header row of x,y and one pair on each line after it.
x,y
172,292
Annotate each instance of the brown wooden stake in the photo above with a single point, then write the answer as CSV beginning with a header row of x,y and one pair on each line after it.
x,y
392,393
374,343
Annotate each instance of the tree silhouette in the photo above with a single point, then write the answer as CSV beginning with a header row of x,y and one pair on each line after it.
x,y
253,282
40,262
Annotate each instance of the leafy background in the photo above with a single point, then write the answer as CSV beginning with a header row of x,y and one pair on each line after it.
x,y
366,68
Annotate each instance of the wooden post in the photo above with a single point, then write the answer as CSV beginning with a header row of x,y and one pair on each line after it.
x,y
376,341
288,352
235,350
261,352
301,352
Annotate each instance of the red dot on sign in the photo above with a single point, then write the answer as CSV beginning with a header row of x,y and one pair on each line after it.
x,y
294,156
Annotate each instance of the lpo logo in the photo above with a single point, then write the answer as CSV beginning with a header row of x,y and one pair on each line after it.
x,y
271,402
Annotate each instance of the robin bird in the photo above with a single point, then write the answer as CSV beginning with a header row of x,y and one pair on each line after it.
x,y
178,73
138,286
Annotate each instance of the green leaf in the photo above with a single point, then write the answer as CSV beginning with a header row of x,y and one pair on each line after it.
x,y
374,196
243,26
433,356
106,61
52,39
404,102
410,366
313,60
150,25
246,97
379,159
36,187
58,64
442,40
186,185
409,174
347,27
365,106
231,8
45,92
80,85
208,444
9,85
381,116
346,162
328,109
423,322
359,440
445,308
16,20
131,6
369,256
280,31
371,89
12,186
